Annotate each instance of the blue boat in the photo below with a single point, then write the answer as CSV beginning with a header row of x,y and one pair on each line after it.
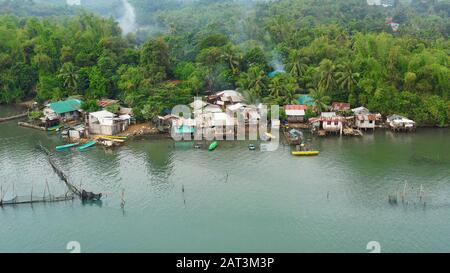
x,y
87,145
65,147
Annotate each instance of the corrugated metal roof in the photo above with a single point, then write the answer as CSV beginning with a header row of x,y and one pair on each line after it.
x,y
61,107
295,112
295,107
370,117
340,106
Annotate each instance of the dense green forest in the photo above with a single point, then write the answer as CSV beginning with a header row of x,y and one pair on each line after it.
x,y
335,50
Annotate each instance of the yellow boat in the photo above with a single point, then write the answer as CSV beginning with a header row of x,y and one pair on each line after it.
x,y
305,153
112,137
115,137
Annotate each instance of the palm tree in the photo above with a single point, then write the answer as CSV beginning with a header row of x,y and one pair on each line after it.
x,y
232,58
251,97
346,76
327,70
276,87
253,79
320,99
297,63
68,73
283,88
290,96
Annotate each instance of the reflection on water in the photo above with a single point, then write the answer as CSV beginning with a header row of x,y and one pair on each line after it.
x,y
98,203
428,160
182,199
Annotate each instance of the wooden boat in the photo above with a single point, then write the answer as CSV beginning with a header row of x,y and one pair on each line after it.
x,y
54,128
114,137
305,153
213,146
65,147
87,145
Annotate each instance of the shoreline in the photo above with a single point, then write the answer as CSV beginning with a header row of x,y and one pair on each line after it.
x,y
148,129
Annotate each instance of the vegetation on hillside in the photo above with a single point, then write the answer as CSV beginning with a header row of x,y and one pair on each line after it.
x,y
335,50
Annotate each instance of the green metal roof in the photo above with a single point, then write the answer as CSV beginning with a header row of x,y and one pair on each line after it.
x,y
184,130
61,107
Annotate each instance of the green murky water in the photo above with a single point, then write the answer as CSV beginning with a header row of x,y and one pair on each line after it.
x,y
235,200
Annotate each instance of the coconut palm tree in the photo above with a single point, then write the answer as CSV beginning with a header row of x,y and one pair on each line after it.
x,y
232,58
290,96
283,88
251,97
321,99
327,70
69,75
254,79
296,63
346,76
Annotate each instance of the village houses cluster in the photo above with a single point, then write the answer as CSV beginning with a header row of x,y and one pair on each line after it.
x,y
220,114
70,114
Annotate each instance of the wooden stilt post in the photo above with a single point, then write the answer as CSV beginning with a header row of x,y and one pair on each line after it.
x,y
404,193
122,203
421,193
48,189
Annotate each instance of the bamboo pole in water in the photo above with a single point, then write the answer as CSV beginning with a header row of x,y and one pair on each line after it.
x,y
122,203
404,192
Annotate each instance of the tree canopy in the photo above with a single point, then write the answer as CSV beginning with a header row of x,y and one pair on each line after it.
x,y
337,50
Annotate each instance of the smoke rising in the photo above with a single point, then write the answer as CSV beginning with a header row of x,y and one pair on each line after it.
x,y
128,21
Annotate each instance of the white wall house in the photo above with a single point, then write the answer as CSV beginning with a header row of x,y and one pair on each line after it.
x,y
365,121
331,122
295,113
106,123
400,123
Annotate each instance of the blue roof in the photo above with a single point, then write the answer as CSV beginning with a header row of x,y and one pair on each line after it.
x,y
306,100
275,73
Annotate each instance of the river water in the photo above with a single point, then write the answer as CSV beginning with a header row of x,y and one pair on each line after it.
x,y
234,200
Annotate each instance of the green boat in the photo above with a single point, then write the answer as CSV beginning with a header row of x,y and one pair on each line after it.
x,y
213,146
68,146
54,128
87,145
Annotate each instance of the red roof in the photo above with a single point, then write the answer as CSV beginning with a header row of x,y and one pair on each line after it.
x,y
371,117
340,106
106,102
295,107
327,119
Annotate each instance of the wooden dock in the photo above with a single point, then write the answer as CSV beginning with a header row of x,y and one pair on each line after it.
x,y
14,117
29,125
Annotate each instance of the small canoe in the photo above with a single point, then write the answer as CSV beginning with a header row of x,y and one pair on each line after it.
x,y
87,145
305,153
65,147
213,146
115,137
112,139
54,128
